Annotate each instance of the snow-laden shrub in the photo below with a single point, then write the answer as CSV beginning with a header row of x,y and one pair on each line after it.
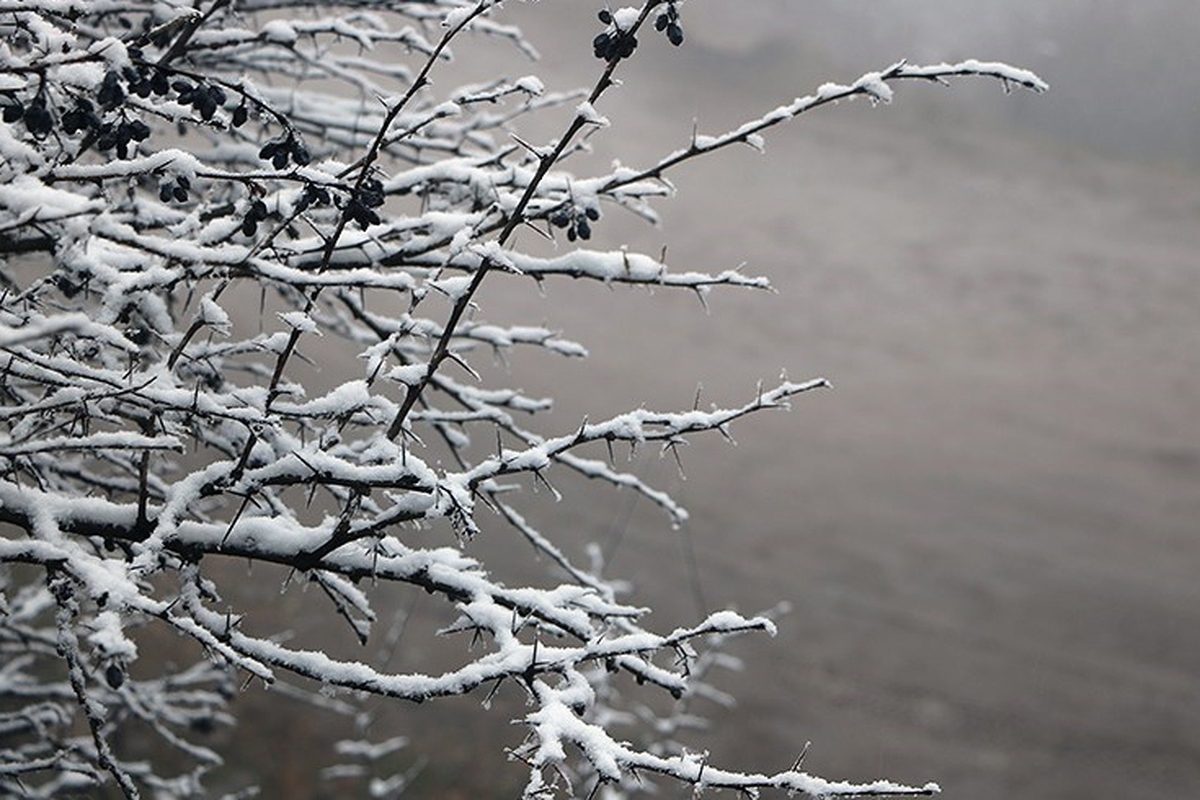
x,y
158,159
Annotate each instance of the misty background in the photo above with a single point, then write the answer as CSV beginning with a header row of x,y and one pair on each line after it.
x,y
987,530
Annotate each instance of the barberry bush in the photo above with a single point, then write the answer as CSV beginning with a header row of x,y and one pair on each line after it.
x,y
160,160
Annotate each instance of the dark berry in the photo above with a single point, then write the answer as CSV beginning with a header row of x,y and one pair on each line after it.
x,y
320,195
114,676
111,94
205,105
371,193
14,112
239,116
358,212
300,154
606,16
159,83
600,45
139,130
68,287
73,121
38,120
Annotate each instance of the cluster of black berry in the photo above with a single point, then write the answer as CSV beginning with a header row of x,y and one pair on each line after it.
x,y
204,98
37,118
119,135
254,215
111,93
116,134
313,195
87,117
83,117
576,220
146,79
176,190
669,21
362,204
614,43
282,149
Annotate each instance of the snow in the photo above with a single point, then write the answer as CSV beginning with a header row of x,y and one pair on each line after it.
x,y
33,329
587,113
123,351
972,66
31,200
457,17
530,84
874,86
409,374
300,321
626,17
213,316
278,31
109,639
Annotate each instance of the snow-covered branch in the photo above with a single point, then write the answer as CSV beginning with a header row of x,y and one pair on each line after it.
x,y
160,164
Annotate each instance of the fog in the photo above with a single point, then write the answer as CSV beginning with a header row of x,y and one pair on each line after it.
x,y
1126,75
987,529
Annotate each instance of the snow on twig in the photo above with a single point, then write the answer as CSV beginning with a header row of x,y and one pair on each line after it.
x,y
162,169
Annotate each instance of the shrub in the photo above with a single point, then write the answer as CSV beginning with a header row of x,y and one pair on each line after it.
x,y
158,161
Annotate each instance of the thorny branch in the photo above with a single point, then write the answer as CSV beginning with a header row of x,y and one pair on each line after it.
x,y
189,193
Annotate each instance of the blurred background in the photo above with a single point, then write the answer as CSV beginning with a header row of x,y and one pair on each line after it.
x,y
987,530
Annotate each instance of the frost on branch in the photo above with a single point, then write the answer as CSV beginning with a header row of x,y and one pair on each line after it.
x,y
159,164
